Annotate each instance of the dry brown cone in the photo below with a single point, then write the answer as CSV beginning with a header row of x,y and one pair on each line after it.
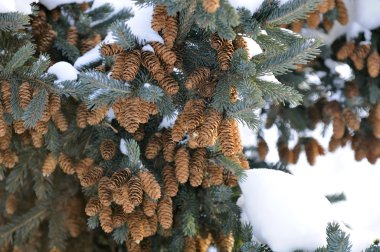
x,y
190,244
332,108
197,167
207,90
165,212
107,149
120,177
197,78
376,128
153,223
311,150
83,166
132,63
73,226
211,6
84,6
327,23
170,181
56,14
60,121
152,63
226,137
240,43
283,152
359,63
164,53
82,114
150,185
45,42
182,160
148,231
11,204
237,138
352,121
154,146
3,126
25,94
204,242
37,138
95,116
361,152
54,103
119,217
104,192
139,134
18,126
345,51
262,149
373,64
49,165
225,243
216,42
342,12
124,201
66,164
361,52
313,19
118,66
90,42
149,207
105,219
135,191
334,144
170,30
375,111
339,127
41,127
159,17
93,206
209,129
6,95
215,174
324,6
169,85
92,176
101,68
10,159
224,55
296,153
72,35
230,179
297,25
331,4
5,141
111,49
168,146
135,226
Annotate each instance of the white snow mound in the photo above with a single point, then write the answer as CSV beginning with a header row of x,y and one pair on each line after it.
x,y
64,71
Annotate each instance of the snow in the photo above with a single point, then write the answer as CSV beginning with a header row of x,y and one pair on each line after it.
x,y
22,6
123,146
253,48
286,213
168,122
252,5
110,115
51,4
64,71
148,48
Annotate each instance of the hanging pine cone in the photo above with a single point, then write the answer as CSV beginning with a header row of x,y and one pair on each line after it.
x,y
96,115
107,149
215,41
345,51
93,206
214,174
164,53
324,6
226,137
170,181
72,35
49,165
327,23
351,119
11,204
311,150
313,19
182,164
120,177
211,6
224,55
165,212
119,218
152,63
92,176
25,95
197,167
351,90
118,66
37,139
111,49
208,131
331,4
342,12
170,30
338,127
225,243
82,114
135,191
373,64
154,146
150,185
169,85
262,149
60,121
132,63
168,146
135,226
104,192
90,42
190,245
105,219
159,17
149,207
66,164
297,25
197,78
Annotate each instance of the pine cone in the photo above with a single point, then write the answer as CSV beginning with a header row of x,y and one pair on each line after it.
x,y
90,42
170,30
11,204
197,167
311,150
159,17
149,207
225,243
351,119
182,165
132,63
373,64
169,85
342,12
240,43
345,51
66,164
331,4
105,219
165,212
338,127
262,149
154,146
111,49
107,149
150,185
96,115
72,35
297,25
215,174
37,139
54,103
168,146
49,165
139,134
296,153
164,53
120,177
211,6
190,244
118,66
18,126
127,113
83,166
313,19
170,181
6,95
152,63
209,129
224,56
135,191
82,114
324,6
283,152
92,176
197,78
327,23
105,194
135,226
60,121
119,218
25,95
351,90
216,42
93,206
226,137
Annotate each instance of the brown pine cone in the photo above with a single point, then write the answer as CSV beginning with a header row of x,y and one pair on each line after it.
x,y
197,167
132,63
107,149
154,146
93,206
72,36
135,226
225,243
208,131
216,42
327,23
66,164
37,138
152,63
11,204
373,64
170,30
345,51
6,95
190,244
197,78
127,113
119,218
104,192
90,42
60,121
164,53
96,115
352,121
262,149
111,49
215,174
150,185
165,212
82,114
324,6
54,103
169,85
149,207
313,19
170,181
224,56
159,17
49,165
210,6
92,176
297,25
120,177
311,150
338,127
331,4
25,94
226,137
19,128
342,12
105,219
118,66
83,166
182,165
135,190
168,146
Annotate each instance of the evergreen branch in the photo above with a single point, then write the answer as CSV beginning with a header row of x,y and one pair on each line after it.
x,y
13,21
20,57
70,51
120,233
100,12
336,197
337,240
133,153
301,52
103,26
57,231
291,11
123,35
279,93
35,109
151,93
186,22
230,165
40,65
22,225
